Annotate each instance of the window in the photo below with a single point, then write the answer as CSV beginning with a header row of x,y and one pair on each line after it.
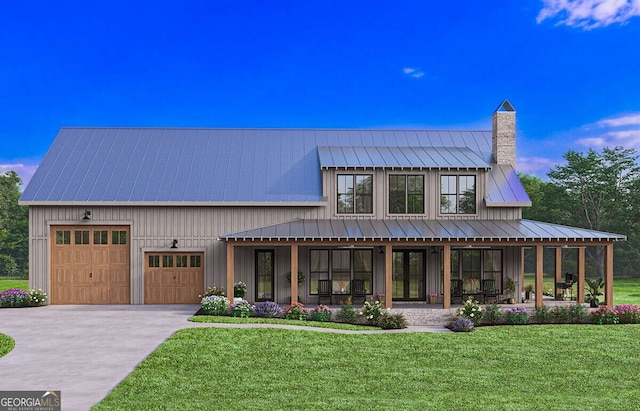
x,y
167,261
82,237
355,194
154,261
457,194
100,237
264,275
406,194
340,266
63,237
474,265
181,261
195,261
119,237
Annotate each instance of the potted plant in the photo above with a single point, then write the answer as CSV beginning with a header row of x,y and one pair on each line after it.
x,y
510,286
528,289
433,298
594,291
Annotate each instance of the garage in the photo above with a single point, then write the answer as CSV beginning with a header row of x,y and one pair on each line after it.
x,y
173,278
90,265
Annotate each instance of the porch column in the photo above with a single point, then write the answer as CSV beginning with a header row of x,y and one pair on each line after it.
x,y
446,276
230,271
294,273
388,275
522,268
608,274
581,265
557,293
538,281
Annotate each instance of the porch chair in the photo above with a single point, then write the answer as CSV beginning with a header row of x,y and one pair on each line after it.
x,y
566,285
358,291
488,287
324,291
456,291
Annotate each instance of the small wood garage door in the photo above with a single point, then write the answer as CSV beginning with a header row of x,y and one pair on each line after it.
x,y
90,265
173,278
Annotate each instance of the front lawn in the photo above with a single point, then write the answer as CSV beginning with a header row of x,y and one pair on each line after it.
x,y
510,367
8,283
6,344
263,320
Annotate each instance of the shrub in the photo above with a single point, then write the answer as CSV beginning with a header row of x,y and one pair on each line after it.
x,y
373,311
14,297
604,315
543,315
37,297
628,313
239,289
268,309
516,315
215,305
560,314
578,313
242,309
296,311
321,313
463,324
471,309
347,313
392,321
213,291
492,314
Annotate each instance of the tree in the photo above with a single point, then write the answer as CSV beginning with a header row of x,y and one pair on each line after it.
x,y
14,226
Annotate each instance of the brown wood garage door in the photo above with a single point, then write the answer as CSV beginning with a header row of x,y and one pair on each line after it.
x,y
90,265
173,278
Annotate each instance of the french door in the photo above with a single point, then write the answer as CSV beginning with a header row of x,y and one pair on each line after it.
x,y
409,275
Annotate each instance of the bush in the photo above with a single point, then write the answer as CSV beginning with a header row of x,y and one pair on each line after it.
x,y
492,314
463,324
560,314
321,313
268,309
517,315
239,289
605,315
347,313
37,297
215,305
213,291
543,315
296,311
242,309
392,321
373,311
14,297
628,313
578,313
471,310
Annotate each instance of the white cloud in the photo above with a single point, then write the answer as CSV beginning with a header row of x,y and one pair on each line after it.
x,y
412,72
626,120
623,130
25,171
535,165
589,14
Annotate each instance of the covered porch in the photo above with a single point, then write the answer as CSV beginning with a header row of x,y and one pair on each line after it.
x,y
442,248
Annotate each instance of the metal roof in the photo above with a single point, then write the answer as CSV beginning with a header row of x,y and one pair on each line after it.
x,y
208,166
426,230
505,188
400,157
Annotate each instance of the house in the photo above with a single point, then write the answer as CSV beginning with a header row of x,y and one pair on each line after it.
x,y
155,215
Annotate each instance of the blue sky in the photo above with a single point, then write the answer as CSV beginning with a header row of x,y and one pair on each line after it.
x,y
571,68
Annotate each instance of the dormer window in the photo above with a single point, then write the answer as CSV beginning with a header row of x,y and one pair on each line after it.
x,y
457,194
406,194
355,193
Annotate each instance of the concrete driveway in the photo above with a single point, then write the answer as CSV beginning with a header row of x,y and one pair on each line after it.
x,y
84,351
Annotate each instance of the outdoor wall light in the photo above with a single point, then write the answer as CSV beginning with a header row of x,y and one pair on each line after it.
x,y
381,249
87,215
434,250
174,244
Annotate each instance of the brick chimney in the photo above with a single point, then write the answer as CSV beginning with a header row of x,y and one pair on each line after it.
x,y
503,133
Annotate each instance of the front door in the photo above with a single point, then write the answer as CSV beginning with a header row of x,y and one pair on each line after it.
x,y
409,275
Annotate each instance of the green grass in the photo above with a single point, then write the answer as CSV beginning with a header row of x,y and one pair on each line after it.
x,y
7,283
6,344
258,320
584,367
625,290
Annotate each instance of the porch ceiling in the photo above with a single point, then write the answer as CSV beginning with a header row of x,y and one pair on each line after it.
x,y
423,230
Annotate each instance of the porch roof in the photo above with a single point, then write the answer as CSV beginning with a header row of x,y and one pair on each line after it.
x,y
425,230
